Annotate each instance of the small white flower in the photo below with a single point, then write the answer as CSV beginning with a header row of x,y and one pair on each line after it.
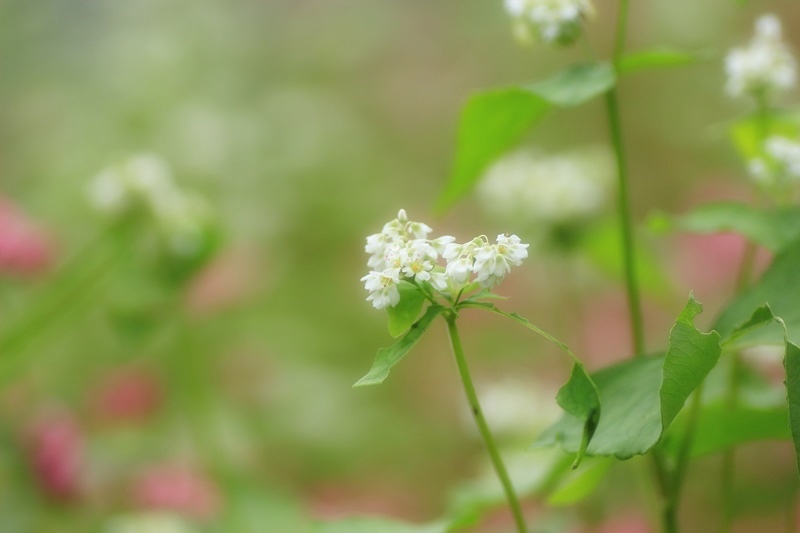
x,y
440,281
460,269
512,249
786,153
765,65
383,288
554,21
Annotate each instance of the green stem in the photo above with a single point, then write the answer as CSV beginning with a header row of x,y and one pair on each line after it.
x,y
622,30
483,427
682,461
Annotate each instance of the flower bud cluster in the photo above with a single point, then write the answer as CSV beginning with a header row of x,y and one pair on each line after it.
x,y
765,65
553,21
144,182
780,164
403,251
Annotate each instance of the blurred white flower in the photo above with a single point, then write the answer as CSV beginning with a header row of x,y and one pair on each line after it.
x,y
779,165
765,65
786,152
148,523
516,408
141,180
550,190
553,21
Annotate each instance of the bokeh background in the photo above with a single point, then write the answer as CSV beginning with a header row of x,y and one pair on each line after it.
x,y
226,400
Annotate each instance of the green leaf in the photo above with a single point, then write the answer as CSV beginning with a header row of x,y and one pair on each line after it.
x,y
792,363
581,483
377,525
405,313
690,358
655,58
578,396
493,121
576,85
780,288
774,229
386,358
748,133
641,397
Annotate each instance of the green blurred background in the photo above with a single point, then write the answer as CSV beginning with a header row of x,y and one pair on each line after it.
x,y
308,124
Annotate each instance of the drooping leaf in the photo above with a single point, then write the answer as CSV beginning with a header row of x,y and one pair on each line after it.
x,y
774,229
691,356
405,313
386,358
578,396
656,58
376,525
641,397
780,288
494,121
576,84
581,483
491,123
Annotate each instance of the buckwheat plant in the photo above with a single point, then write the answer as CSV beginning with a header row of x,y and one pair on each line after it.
x,y
407,271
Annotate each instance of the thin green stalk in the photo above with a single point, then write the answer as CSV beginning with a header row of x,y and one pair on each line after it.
x,y
483,427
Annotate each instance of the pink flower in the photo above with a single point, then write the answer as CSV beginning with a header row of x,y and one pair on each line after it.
x,y
56,456
127,394
177,489
24,247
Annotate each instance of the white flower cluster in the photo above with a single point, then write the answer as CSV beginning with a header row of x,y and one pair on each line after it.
x,y
145,182
765,65
554,189
554,21
781,161
402,251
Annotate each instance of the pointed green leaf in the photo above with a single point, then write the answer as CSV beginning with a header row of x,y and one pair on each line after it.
x,y
656,58
641,397
578,396
579,484
690,358
780,288
494,121
774,229
377,525
386,358
576,85
405,313
792,363
491,123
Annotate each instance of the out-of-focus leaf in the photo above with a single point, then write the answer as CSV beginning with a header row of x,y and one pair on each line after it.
x,y
780,288
641,397
655,58
578,396
377,525
748,133
405,313
580,483
576,84
386,358
792,363
773,229
602,245
493,121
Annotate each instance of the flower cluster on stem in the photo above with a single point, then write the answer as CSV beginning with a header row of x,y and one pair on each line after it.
x,y
558,22
403,251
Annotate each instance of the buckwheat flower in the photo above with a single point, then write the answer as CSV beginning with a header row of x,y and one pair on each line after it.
x,y
440,244
512,249
383,288
440,281
460,269
785,152
417,259
765,65
554,21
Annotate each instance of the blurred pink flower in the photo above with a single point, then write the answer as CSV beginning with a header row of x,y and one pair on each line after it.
x,y
229,278
178,489
24,247
55,453
127,394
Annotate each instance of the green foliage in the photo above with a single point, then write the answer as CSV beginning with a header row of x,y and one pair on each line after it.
x,y
493,121
405,313
792,364
386,358
579,484
655,58
774,229
748,133
641,397
578,397
374,525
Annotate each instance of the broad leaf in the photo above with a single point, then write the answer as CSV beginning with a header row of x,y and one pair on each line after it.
x,y
792,363
773,229
578,396
491,123
386,358
576,85
494,121
641,397
581,483
375,525
655,58
780,288
405,313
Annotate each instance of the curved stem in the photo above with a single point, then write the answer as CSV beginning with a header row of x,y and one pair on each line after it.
x,y
682,461
483,427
